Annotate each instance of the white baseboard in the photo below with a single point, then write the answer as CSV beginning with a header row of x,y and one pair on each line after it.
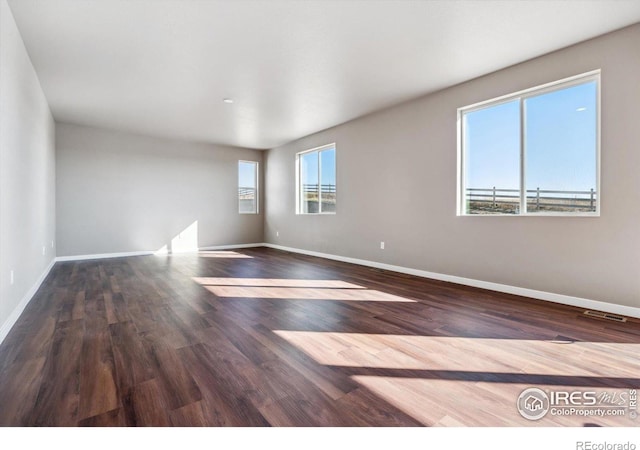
x,y
102,256
17,311
149,252
525,292
232,247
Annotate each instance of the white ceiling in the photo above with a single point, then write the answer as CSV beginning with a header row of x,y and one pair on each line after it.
x,y
162,67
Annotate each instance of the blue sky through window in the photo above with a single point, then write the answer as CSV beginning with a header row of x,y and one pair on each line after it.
x,y
309,168
328,166
492,143
560,138
246,174
309,163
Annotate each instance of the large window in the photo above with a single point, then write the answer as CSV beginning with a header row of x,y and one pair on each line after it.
x,y
316,181
534,152
247,187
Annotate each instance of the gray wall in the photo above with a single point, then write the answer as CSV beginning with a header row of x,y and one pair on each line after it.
x,y
27,171
397,183
119,192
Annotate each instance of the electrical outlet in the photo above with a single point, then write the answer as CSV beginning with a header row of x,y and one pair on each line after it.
x,y
381,245
44,250
11,277
277,234
51,244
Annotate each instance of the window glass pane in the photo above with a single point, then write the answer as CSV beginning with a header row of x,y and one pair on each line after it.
x,y
492,159
560,145
328,182
309,182
247,187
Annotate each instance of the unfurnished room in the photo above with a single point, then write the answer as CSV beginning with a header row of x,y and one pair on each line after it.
x,y
317,213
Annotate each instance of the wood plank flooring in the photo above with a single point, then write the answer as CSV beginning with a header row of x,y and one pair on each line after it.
x,y
260,337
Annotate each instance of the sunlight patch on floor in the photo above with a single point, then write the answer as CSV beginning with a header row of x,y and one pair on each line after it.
x,y
474,403
431,403
465,354
275,282
222,254
417,374
291,293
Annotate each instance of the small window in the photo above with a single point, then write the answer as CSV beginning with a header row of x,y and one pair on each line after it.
x,y
535,152
248,187
316,184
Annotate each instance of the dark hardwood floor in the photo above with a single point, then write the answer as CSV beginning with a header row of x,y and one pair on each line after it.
x,y
260,337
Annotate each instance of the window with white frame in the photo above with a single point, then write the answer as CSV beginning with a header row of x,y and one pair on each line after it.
x,y
316,180
247,187
535,152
